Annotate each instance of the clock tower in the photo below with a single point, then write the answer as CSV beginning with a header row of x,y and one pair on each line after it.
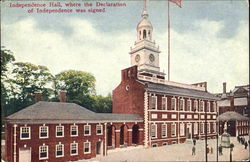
x,y
145,53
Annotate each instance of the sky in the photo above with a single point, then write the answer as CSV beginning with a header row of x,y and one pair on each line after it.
x,y
209,40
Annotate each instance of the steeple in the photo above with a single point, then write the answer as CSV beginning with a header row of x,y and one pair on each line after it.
x,y
145,53
144,27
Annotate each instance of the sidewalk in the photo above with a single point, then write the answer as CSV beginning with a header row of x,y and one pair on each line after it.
x,y
176,152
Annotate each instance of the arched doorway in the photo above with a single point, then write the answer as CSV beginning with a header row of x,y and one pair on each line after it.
x,y
110,135
122,135
135,134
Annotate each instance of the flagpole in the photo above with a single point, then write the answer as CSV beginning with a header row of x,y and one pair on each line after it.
x,y
168,44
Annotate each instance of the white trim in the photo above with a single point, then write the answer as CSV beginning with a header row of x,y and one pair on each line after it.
x,y
166,103
74,143
58,126
189,101
173,100
47,131
173,124
155,131
89,126
71,126
47,152
60,144
173,121
182,129
182,104
29,132
97,129
89,147
166,130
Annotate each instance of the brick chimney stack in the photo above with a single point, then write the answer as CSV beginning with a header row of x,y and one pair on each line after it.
x,y
38,96
62,96
224,87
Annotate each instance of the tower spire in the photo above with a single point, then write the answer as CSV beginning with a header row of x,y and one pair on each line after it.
x,y
144,11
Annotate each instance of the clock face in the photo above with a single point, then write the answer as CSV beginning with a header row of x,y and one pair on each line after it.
x,y
137,58
151,57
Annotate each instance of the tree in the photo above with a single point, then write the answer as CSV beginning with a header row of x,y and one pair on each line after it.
x,y
103,104
25,80
7,58
78,84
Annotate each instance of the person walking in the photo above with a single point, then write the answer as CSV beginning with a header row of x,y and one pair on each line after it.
x,y
193,150
211,150
194,141
246,145
220,150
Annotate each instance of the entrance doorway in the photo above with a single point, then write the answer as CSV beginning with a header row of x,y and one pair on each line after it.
x,y
122,135
135,134
99,149
25,154
189,131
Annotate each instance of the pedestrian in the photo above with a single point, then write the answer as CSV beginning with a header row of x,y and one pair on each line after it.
x,y
238,139
194,141
249,142
211,150
193,150
220,150
207,149
246,145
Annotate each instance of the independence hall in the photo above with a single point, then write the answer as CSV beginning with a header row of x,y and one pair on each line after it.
x,y
147,110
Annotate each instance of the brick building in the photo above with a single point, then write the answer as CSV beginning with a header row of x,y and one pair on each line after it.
x,y
147,110
60,131
237,100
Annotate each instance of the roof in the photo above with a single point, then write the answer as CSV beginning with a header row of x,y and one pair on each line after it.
x,y
52,111
180,91
231,116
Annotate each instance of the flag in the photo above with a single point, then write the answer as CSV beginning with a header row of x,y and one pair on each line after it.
x,y
177,2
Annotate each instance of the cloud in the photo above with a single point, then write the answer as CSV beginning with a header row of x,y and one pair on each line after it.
x,y
201,55
196,56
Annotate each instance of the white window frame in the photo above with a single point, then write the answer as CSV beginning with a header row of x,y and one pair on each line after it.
x,y
89,145
21,132
151,106
208,127
99,125
166,103
195,128
57,149
173,100
41,148
182,104
164,132
190,105
214,106
182,129
202,104
76,148
195,105
155,134
173,124
214,127
202,128
208,106
85,129
57,127
71,130
41,128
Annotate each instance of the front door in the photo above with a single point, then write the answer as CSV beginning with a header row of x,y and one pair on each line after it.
x,y
98,148
25,154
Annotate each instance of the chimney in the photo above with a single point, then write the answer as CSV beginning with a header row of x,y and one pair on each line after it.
x,y
224,87
62,96
38,96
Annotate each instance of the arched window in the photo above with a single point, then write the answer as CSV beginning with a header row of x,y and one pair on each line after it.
x,y
144,34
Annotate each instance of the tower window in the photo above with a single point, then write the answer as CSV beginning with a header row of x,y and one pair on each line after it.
x,y
144,34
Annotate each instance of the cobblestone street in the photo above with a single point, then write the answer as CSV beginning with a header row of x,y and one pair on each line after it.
x,y
176,152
